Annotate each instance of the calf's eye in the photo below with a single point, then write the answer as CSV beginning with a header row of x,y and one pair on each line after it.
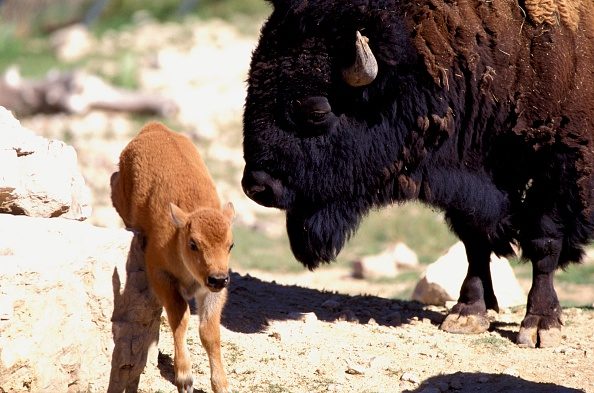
x,y
231,246
193,245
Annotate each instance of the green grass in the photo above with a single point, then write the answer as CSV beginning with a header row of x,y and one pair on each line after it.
x,y
254,250
577,274
29,47
33,56
492,342
419,227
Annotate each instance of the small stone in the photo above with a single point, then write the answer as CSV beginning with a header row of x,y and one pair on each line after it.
x,y
348,316
410,377
276,335
355,369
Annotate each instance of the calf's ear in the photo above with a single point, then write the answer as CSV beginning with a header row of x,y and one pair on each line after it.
x,y
178,216
229,211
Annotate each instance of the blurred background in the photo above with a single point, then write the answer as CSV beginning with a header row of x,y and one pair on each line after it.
x,y
92,72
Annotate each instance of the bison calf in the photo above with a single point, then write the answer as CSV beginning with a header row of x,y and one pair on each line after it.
x,y
163,190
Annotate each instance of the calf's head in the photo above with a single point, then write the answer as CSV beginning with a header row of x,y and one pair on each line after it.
x,y
204,241
319,119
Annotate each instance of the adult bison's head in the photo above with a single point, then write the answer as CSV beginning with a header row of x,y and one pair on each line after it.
x,y
321,121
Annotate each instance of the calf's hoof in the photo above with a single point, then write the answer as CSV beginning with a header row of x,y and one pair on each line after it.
x,y
465,324
540,331
185,384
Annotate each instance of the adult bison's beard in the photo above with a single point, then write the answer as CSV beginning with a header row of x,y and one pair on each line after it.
x,y
317,236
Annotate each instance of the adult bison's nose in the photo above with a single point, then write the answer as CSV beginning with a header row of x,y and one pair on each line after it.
x,y
264,189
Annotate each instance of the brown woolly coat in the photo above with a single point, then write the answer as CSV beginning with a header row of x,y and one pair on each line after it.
x,y
159,167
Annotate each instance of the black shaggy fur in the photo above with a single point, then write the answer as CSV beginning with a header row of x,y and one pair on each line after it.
x,y
475,110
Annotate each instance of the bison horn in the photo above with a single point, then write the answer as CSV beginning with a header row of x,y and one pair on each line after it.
x,y
364,70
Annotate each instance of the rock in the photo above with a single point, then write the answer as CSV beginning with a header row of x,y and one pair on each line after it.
x,y
410,377
347,315
403,255
82,317
72,43
442,280
355,369
386,263
39,177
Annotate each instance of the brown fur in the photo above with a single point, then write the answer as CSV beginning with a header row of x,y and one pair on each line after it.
x,y
163,191
553,11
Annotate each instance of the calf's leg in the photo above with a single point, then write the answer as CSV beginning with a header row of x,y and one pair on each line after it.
x,y
210,306
178,316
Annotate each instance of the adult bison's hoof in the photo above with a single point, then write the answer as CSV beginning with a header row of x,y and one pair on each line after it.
x,y
465,324
540,331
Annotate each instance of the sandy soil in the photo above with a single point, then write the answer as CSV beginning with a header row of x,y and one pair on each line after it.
x,y
286,338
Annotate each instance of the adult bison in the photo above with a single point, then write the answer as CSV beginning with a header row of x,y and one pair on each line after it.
x,y
484,109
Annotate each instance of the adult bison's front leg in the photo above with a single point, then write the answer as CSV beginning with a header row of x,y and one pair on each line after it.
x,y
542,324
469,315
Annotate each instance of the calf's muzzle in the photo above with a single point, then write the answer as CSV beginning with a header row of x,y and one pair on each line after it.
x,y
217,282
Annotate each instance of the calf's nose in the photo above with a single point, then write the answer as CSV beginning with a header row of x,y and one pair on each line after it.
x,y
217,282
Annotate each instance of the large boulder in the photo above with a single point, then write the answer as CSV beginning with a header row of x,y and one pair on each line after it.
x,y
39,177
76,313
443,278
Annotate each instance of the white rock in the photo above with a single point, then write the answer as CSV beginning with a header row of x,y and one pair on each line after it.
x,y
410,377
81,316
386,263
403,255
442,280
39,177
72,43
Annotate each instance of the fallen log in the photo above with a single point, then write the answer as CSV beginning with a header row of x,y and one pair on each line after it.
x,y
76,92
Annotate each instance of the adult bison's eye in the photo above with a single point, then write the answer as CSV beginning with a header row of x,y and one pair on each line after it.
x,y
312,112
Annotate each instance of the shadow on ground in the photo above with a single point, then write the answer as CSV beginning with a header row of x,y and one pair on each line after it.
x,y
253,302
461,382
165,364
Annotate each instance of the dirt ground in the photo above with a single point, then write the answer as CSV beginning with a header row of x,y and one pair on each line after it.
x,y
286,338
